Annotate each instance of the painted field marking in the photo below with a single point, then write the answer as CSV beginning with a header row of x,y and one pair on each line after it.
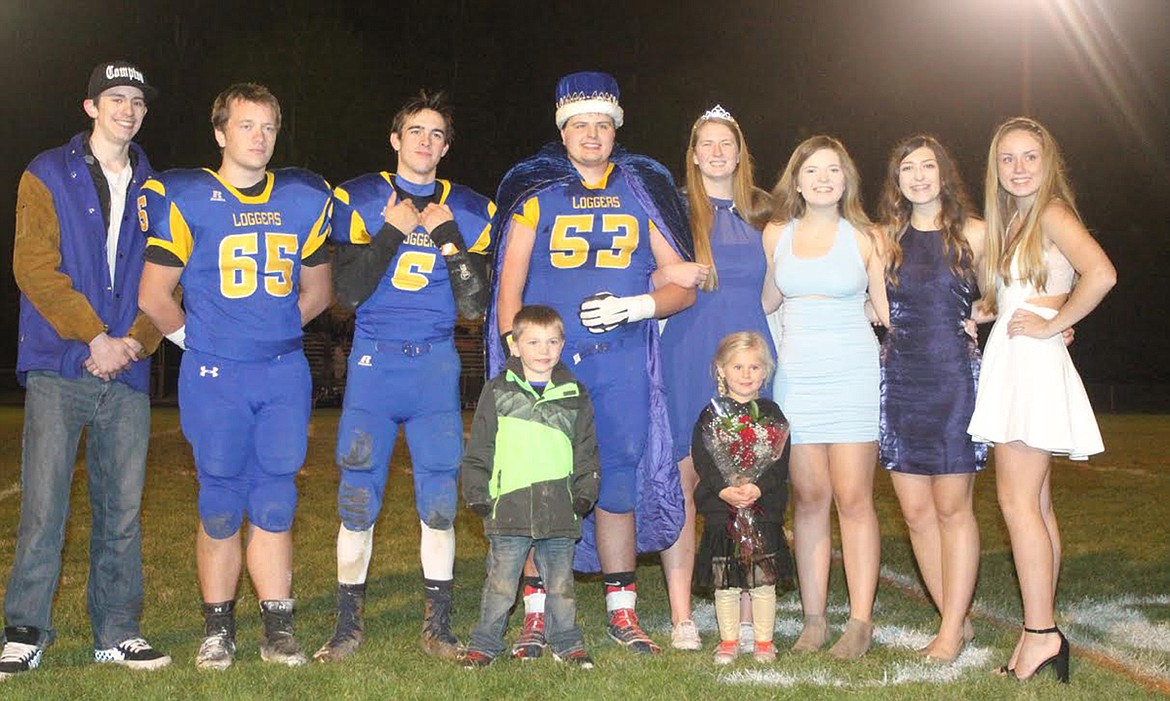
x,y
10,490
789,619
1113,633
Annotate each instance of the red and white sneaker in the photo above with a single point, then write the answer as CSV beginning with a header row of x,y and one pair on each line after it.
x,y
624,629
726,652
531,642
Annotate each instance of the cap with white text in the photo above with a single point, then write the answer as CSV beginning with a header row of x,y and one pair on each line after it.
x,y
112,74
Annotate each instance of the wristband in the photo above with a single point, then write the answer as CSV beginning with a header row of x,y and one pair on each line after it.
x,y
179,337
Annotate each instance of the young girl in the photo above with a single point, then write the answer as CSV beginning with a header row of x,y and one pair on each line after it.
x,y
742,364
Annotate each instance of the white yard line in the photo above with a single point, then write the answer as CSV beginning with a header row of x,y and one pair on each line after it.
x,y
1114,633
11,490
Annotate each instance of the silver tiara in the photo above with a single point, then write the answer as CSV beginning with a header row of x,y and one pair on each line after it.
x,y
717,112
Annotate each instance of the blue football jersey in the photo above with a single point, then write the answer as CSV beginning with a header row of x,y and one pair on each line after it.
x,y
588,239
241,254
413,299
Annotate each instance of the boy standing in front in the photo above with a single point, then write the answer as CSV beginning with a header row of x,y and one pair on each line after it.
x,y
531,471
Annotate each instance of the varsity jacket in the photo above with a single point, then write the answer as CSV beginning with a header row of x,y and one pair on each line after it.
x,y
531,456
59,260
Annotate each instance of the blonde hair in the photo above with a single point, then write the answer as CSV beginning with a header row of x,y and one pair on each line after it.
x,y
744,194
955,208
1028,245
789,204
743,341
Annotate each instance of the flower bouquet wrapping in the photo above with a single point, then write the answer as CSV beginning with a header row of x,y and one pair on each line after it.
x,y
743,444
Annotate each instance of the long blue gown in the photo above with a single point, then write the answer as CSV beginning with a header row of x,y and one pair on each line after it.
x,y
691,336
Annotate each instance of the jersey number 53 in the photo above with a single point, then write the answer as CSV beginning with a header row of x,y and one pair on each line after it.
x,y
569,243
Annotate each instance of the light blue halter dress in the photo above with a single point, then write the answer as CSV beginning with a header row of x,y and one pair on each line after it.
x,y
827,375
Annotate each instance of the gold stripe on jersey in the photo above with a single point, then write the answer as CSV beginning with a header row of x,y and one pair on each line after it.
x,y
258,199
181,241
357,233
485,238
603,182
155,186
318,233
529,215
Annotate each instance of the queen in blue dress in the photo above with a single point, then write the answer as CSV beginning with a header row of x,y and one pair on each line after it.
x,y
729,274
930,367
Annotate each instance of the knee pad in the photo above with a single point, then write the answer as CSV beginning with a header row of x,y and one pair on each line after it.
x,y
272,503
359,501
221,508
618,493
436,500
358,453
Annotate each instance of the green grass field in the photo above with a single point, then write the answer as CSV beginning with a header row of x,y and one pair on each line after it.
x,y
1113,601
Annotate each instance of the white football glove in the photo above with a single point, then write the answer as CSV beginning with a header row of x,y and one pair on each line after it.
x,y
604,312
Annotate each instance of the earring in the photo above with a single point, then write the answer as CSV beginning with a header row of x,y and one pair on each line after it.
x,y
721,385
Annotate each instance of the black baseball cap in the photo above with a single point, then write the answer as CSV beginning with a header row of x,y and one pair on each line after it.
x,y
114,73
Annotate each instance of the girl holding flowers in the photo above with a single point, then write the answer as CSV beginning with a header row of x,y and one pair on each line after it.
x,y
738,445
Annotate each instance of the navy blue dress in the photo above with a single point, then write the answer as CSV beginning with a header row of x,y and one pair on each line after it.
x,y
930,366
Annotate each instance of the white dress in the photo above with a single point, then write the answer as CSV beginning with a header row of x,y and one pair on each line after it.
x,y
1029,390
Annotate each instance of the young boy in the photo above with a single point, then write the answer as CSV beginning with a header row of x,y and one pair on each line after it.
x,y
531,471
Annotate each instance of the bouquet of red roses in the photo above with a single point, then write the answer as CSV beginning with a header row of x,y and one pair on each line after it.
x,y
743,444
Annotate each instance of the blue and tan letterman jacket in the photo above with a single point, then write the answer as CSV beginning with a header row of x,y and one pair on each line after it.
x,y
59,260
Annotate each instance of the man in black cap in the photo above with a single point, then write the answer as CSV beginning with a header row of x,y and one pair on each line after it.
x,y
84,361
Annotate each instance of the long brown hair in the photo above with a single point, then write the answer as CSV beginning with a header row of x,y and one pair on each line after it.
x,y
955,208
702,215
1028,245
789,204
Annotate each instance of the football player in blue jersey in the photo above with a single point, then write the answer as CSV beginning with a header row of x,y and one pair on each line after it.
x,y
248,247
585,226
410,257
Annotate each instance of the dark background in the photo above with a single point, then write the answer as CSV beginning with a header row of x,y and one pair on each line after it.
x,y
1095,72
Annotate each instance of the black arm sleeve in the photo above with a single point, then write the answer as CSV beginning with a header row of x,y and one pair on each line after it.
x,y
467,271
468,275
358,268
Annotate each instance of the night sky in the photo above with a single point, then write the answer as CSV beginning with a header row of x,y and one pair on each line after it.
x,y
1095,72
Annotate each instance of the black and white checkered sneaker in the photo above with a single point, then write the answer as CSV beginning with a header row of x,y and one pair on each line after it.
x,y
134,653
21,651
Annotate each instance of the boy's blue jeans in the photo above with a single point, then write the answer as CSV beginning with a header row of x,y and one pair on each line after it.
x,y
116,420
505,562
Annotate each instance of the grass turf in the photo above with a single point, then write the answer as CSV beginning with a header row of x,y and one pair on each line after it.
x,y
1112,599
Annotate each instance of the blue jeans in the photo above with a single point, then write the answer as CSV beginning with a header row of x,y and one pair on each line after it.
x,y
505,561
117,423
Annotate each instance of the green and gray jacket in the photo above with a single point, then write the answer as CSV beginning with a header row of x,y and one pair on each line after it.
x,y
530,456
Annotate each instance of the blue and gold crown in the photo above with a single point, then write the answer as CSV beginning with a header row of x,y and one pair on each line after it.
x,y
588,91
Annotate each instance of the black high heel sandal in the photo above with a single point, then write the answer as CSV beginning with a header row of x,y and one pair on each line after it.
x,y
1059,661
